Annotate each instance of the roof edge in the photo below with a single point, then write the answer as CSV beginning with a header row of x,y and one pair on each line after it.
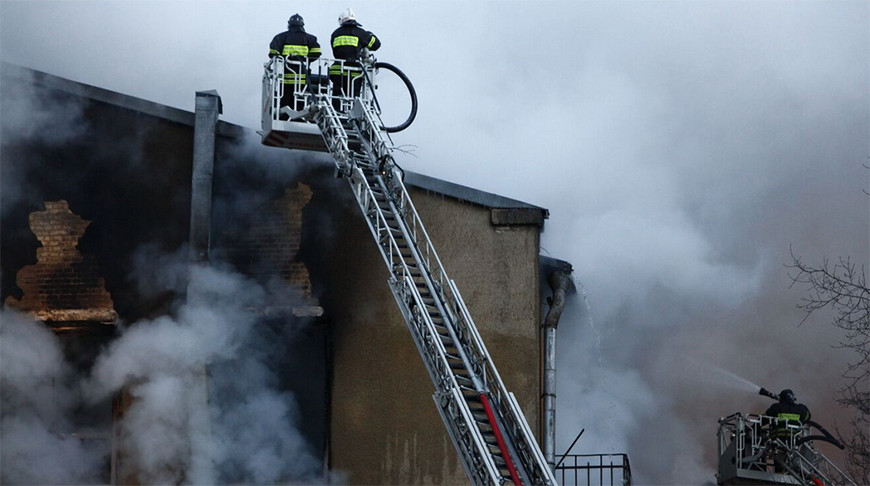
x,y
469,194
103,95
531,214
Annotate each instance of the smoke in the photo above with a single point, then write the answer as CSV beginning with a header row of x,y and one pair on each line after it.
x,y
247,432
30,116
203,401
681,147
695,161
36,445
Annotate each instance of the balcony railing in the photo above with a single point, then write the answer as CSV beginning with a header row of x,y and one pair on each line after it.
x,y
594,470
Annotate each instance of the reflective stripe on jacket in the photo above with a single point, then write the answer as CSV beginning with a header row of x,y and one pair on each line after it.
x,y
348,39
293,78
298,44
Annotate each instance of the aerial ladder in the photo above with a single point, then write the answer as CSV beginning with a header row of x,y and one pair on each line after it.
x,y
483,419
759,449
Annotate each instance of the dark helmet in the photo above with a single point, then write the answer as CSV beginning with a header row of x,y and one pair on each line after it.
x,y
296,21
787,396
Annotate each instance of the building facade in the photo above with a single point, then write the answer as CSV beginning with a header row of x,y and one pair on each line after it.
x,y
114,174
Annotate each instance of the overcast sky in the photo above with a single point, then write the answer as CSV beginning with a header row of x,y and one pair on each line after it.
x,y
681,147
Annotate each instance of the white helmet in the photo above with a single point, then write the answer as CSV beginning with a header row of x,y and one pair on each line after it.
x,y
346,15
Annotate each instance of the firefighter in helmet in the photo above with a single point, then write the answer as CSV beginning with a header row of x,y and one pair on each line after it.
x,y
348,40
298,48
788,412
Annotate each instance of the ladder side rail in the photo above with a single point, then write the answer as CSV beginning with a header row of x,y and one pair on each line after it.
x,y
430,285
369,207
526,445
446,404
533,453
414,231
813,463
467,438
378,225
457,405
435,360
473,450
803,470
336,138
434,351
473,344
382,152
373,146
333,133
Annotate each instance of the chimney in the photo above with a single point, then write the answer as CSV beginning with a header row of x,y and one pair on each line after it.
x,y
208,107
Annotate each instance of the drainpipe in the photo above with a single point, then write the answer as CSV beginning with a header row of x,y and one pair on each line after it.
x,y
561,284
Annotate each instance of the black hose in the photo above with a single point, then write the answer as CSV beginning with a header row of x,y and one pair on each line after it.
x,y
826,437
411,91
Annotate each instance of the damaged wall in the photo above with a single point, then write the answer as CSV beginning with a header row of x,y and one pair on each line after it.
x,y
281,219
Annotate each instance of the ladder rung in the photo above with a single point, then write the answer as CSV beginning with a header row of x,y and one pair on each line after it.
x,y
466,380
479,414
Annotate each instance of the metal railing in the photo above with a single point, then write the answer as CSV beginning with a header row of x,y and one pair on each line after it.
x,y
304,95
777,450
594,470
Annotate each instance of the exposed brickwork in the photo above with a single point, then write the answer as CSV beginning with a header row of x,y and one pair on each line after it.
x,y
269,244
64,285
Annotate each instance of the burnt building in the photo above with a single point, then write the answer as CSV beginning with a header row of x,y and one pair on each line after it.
x,y
100,187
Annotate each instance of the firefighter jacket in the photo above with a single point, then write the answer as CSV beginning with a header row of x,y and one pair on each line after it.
x,y
791,412
347,41
296,45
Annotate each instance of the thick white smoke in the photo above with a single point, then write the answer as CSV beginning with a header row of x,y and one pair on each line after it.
x,y
203,404
38,396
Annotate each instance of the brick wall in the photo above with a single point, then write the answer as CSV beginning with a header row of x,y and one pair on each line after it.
x,y
267,244
64,285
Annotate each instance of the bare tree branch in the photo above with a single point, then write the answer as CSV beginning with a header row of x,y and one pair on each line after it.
x,y
842,288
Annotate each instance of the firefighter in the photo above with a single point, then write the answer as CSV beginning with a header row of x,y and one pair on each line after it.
x,y
295,45
788,412
348,40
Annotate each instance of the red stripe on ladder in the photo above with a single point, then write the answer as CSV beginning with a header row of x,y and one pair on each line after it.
x,y
501,445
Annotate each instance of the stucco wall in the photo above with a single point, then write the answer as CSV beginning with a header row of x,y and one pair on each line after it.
x,y
385,428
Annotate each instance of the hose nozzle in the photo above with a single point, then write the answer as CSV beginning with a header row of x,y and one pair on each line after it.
x,y
766,393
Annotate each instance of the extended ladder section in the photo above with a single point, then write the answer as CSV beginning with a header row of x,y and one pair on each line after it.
x,y
483,419
757,449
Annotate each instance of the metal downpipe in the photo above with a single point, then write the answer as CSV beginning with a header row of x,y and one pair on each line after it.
x,y
561,284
